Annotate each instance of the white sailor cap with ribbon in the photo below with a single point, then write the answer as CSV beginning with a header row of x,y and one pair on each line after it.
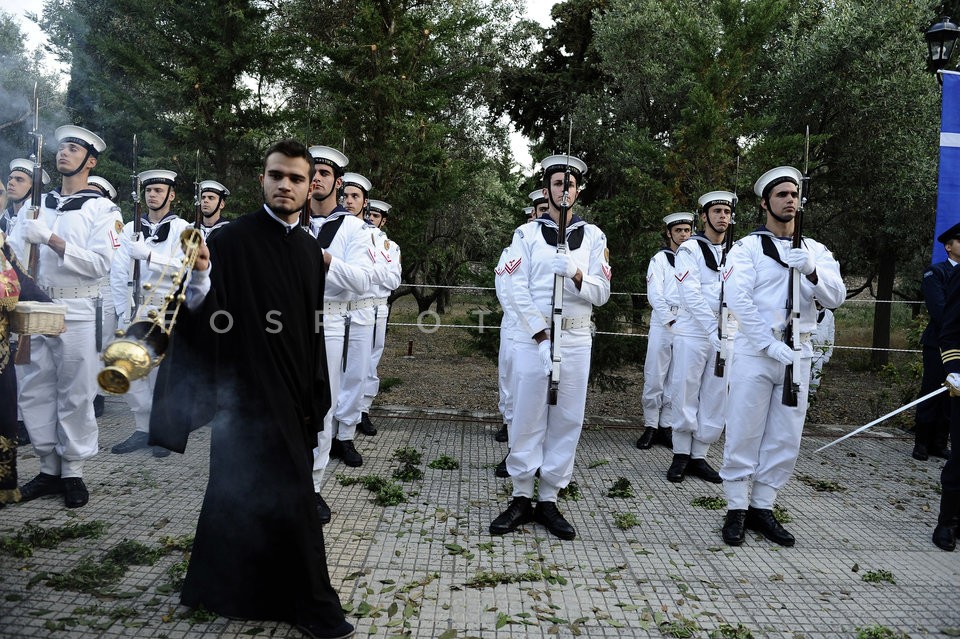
x,y
330,156
107,188
537,197
357,180
774,177
26,166
556,163
87,139
527,211
716,197
681,217
157,176
379,206
216,187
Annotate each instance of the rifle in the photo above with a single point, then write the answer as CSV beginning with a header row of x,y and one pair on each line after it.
x,y
137,229
556,304
722,329
33,252
197,213
791,332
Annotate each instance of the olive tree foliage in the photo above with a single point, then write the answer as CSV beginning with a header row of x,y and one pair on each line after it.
x,y
402,88
855,74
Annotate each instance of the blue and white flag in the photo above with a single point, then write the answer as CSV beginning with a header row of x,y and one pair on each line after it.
x,y
948,182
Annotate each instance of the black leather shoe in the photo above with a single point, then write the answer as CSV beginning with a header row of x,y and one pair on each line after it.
x,y
501,469
502,435
665,437
519,512
733,533
678,467
335,448
349,454
160,451
322,509
75,493
546,513
134,442
366,426
762,521
41,486
939,451
944,537
317,631
98,405
646,439
23,437
700,468
920,452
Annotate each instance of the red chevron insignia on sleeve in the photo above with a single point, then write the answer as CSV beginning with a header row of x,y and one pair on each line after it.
x,y
512,265
607,272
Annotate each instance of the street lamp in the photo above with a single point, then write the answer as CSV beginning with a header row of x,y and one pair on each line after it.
x,y
940,37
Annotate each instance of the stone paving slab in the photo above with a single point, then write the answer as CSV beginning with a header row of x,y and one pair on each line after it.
x,y
428,567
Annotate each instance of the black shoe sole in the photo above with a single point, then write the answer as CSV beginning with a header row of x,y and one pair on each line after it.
x,y
733,542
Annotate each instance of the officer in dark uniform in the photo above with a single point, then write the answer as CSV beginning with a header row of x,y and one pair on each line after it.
x,y
933,415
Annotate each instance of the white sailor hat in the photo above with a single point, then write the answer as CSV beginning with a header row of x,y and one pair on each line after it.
x,y
716,197
357,180
555,163
81,136
682,217
527,211
26,166
96,180
216,187
776,176
537,196
157,176
329,155
380,207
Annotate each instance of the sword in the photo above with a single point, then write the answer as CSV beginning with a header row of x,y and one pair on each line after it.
x,y
99,328
346,341
919,400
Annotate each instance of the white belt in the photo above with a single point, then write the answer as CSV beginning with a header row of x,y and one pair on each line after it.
x,y
381,301
89,291
336,308
778,335
368,302
567,323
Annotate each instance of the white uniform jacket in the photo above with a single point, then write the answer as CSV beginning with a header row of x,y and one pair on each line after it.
x,y
505,268
698,286
350,271
384,276
163,240
757,288
529,289
90,225
662,293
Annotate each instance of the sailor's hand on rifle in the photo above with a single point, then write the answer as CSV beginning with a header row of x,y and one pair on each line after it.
x,y
715,342
780,352
800,258
137,249
953,384
564,265
546,358
36,232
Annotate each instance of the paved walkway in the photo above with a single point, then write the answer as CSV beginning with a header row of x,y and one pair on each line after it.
x,y
428,567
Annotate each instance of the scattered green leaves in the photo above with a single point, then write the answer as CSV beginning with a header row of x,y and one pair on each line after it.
x,y
726,631
408,455
625,521
570,492
598,463
878,576
30,536
821,485
781,514
621,488
880,632
444,462
710,503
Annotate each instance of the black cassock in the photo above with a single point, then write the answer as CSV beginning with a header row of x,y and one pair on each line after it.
x,y
252,358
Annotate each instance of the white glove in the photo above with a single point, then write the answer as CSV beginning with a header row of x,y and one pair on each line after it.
x,y
953,384
36,232
138,249
715,342
780,352
122,322
800,258
564,265
546,360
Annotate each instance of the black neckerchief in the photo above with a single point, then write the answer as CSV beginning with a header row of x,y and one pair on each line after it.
x,y
73,202
671,256
768,246
329,229
158,232
706,248
548,228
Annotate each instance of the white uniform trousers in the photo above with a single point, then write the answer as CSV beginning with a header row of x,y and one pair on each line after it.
x,y
505,377
56,392
656,398
349,399
699,397
816,369
140,400
763,435
371,387
543,436
321,454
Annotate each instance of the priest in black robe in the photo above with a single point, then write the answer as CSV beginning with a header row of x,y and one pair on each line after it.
x,y
248,352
